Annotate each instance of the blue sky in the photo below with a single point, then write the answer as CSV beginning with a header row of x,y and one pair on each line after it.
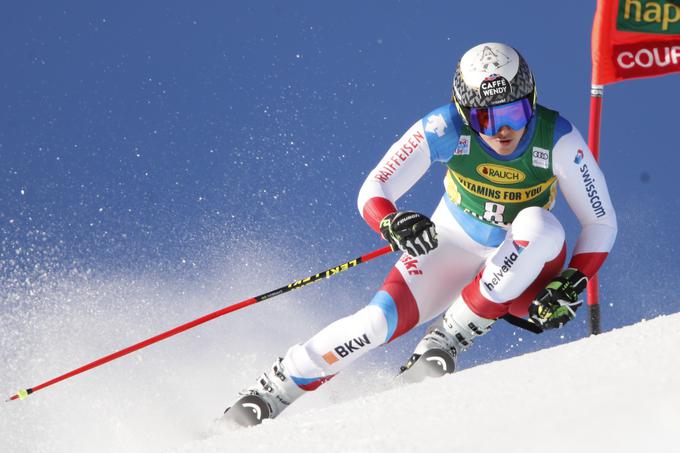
x,y
138,135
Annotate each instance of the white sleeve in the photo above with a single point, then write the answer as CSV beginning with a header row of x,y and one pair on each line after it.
x,y
585,189
403,165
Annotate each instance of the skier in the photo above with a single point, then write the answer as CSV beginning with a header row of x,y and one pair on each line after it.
x,y
492,247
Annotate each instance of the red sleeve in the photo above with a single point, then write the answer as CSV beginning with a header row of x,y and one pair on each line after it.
x,y
588,262
375,210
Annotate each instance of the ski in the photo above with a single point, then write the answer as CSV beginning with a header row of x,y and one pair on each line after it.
x,y
432,363
248,410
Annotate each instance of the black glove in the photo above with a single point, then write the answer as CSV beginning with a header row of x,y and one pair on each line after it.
x,y
557,303
410,232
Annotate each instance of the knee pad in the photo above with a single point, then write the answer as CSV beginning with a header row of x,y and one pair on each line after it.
x,y
537,224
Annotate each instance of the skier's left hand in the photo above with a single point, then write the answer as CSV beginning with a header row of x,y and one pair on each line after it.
x,y
556,305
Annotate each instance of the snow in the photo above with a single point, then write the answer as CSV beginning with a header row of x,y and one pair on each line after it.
x,y
617,392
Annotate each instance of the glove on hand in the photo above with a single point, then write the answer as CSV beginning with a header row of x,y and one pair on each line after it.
x,y
557,303
410,232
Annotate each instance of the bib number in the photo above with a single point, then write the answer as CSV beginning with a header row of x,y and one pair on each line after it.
x,y
493,212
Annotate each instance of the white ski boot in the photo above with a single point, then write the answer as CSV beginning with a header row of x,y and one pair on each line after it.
x,y
436,354
267,398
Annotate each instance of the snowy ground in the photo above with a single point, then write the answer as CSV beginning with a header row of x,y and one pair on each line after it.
x,y
618,392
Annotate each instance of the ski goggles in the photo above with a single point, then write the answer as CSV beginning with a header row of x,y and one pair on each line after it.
x,y
489,120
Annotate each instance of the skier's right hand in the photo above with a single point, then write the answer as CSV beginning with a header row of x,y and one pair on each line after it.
x,y
410,232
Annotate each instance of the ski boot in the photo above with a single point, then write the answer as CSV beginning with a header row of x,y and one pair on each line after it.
x,y
267,398
436,354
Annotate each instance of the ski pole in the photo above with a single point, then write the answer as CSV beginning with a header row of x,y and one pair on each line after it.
x,y
24,393
522,323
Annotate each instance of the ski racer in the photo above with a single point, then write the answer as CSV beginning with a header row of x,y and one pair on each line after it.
x,y
492,246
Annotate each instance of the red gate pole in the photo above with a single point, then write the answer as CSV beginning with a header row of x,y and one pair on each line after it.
x,y
593,297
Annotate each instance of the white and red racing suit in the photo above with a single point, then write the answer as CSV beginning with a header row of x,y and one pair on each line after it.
x,y
488,268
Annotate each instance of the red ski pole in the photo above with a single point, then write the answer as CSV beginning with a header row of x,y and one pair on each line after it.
x,y
23,393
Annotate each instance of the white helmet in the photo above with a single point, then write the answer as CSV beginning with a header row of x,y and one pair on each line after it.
x,y
492,74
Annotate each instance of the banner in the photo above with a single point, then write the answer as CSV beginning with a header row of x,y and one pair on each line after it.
x,y
635,38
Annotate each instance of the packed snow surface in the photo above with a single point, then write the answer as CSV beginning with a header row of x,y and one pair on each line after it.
x,y
619,392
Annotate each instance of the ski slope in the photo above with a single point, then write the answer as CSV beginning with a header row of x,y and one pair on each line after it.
x,y
618,392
